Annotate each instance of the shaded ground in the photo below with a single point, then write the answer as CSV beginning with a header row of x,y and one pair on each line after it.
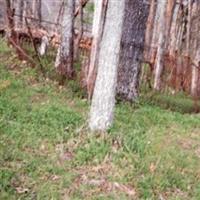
x,y
46,151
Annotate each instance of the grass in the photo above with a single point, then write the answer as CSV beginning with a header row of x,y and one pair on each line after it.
x,y
46,151
179,102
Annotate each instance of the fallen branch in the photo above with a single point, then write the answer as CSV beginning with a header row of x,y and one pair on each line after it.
x,y
21,52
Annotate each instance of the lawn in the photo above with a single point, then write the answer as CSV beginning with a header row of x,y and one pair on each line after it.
x,y
47,152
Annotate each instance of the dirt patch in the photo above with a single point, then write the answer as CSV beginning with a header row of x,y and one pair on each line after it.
x,y
39,98
108,187
96,180
187,144
197,152
174,194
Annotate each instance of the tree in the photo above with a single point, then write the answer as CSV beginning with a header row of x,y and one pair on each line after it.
x,y
37,12
43,46
80,31
97,32
161,45
195,50
149,29
64,59
18,18
103,101
132,47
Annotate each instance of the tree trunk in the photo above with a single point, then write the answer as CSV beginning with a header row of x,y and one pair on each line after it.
x,y
161,45
132,47
37,14
24,14
169,17
64,59
195,50
103,101
18,18
149,29
11,34
195,80
189,26
97,31
173,31
44,45
80,32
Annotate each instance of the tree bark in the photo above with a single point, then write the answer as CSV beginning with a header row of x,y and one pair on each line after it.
x,y
132,48
149,30
18,18
64,59
44,45
103,101
80,32
161,45
189,26
173,32
97,31
195,50
37,12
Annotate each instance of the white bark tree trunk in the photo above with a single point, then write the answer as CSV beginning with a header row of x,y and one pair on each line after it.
x,y
44,45
103,101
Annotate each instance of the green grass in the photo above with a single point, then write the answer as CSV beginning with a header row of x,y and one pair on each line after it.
x,y
179,102
47,152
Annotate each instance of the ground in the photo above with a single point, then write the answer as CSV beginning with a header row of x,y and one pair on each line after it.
x,y
47,152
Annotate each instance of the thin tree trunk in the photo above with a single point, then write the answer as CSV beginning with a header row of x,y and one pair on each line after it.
x,y
64,59
195,80
149,29
161,45
189,26
97,31
80,33
173,31
132,48
103,101
37,14
169,17
44,45
196,51
10,33
24,12
18,18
